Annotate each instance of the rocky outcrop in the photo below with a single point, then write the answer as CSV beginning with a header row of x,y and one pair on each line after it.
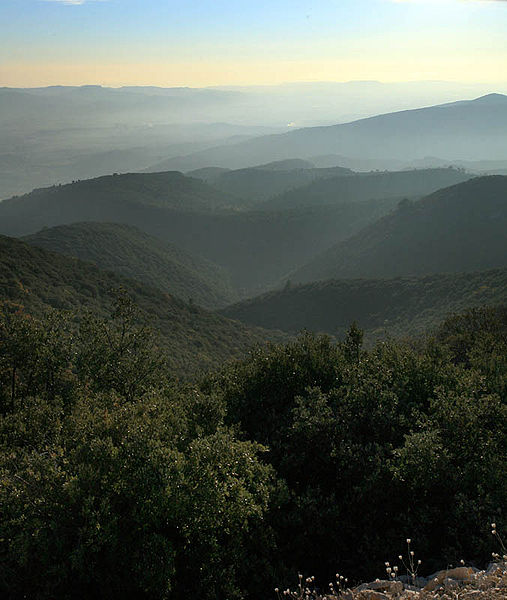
x,y
465,583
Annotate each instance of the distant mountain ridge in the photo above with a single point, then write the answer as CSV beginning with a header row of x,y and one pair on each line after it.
x,y
468,130
260,247
103,198
262,182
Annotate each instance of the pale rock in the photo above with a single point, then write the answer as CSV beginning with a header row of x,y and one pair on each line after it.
x,y
451,584
372,595
459,574
393,587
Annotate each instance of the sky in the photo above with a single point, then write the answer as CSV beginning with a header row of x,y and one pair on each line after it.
x,y
245,42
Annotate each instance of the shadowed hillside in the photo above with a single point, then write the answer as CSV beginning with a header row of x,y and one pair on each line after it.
x,y
461,228
132,253
366,186
257,248
207,174
402,306
258,184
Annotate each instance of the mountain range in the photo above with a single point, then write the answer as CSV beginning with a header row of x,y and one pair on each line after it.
x,y
259,183
256,247
464,130
330,189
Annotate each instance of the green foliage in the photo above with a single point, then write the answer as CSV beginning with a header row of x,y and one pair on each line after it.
x,y
120,356
119,481
353,343
35,356
376,446
478,339
192,338
126,489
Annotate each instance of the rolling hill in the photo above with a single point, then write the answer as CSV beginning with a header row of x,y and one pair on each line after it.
x,y
258,184
401,306
460,228
103,198
207,174
366,186
193,337
257,248
134,254
467,130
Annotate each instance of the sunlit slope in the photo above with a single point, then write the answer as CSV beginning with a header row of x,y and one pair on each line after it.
x,y
460,228
193,337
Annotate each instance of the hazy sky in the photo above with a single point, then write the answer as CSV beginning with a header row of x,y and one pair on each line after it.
x,y
217,42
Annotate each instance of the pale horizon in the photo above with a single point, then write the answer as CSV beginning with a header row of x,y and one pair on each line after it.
x,y
501,85
170,44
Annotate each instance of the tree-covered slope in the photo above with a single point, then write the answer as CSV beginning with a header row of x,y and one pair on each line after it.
x,y
401,306
207,174
194,338
111,198
132,253
366,186
256,247
460,228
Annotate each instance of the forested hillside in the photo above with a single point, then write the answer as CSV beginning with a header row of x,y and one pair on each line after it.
x,y
257,247
132,253
253,300
102,198
192,337
460,228
207,174
399,307
260,183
